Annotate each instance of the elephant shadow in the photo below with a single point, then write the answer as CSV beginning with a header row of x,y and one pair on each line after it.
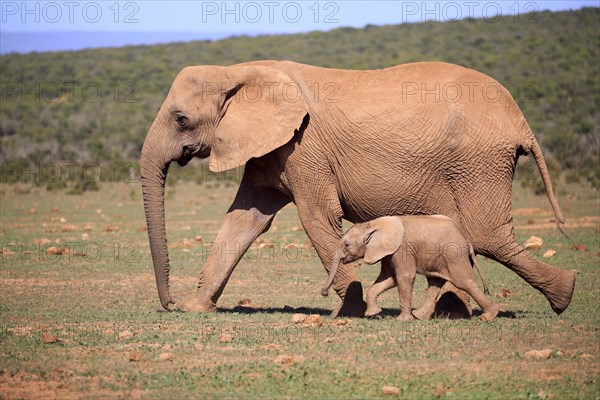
x,y
274,310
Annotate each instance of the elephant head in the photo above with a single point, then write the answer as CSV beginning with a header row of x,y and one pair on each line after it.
x,y
372,240
231,114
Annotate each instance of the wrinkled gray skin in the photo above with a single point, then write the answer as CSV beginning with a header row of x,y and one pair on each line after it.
x,y
345,144
433,246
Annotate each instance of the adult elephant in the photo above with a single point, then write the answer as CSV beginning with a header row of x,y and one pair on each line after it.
x,y
420,138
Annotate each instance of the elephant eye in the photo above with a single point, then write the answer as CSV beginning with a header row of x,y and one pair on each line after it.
x,y
181,120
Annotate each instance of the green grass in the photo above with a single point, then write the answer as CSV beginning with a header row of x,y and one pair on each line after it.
x,y
90,297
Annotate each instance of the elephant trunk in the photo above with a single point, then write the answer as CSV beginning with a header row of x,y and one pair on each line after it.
x,y
153,171
337,260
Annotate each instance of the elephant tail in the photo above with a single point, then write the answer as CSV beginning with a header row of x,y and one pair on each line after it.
x,y
541,164
486,289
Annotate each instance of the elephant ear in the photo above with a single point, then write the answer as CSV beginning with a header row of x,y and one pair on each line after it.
x,y
262,107
384,237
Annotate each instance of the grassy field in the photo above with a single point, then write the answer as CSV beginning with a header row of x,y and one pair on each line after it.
x,y
86,322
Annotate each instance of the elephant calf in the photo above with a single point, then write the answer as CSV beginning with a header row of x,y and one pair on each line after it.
x,y
430,245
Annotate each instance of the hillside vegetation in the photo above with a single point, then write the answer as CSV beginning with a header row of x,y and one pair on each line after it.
x,y
97,105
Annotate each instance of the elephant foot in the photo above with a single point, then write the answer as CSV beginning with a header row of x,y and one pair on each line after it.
x,y
490,313
560,292
196,304
405,316
372,310
353,304
422,314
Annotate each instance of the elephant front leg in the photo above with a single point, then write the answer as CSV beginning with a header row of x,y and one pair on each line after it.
x,y
384,281
405,276
324,229
249,216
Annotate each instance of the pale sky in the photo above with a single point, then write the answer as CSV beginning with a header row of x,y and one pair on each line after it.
x,y
250,17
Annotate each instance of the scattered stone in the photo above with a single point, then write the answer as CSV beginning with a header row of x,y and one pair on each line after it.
x,y
298,318
226,338
123,335
390,390
533,243
166,357
504,293
136,356
198,239
111,228
314,320
63,219
549,253
586,356
340,322
85,236
539,354
48,338
331,340
287,359
244,302
68,228
579,247
54,250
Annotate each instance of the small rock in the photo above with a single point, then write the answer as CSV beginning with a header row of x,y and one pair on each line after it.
x,y
244,302
390,390
123,335
287,359
340,322
85,236
579,247
136,356
198,239
68,228
549,253
560,353
226,338
331,340
48,338
533,243
530,221
63,219
586,356
504,293
55,209
166,357
298,318
53,250
314,319
539,354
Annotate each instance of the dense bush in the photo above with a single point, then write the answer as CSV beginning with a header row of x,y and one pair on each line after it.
x,y
97,105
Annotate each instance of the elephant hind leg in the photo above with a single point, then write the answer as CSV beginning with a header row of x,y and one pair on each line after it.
x,y
427,310
555,284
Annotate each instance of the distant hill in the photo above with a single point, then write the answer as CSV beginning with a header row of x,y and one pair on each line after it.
x,y
97,105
